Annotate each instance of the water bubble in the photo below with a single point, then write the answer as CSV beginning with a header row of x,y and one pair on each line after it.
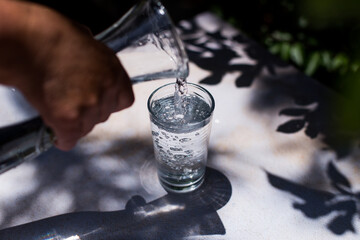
x,y
179,116
187,170
179,156
184,140
175,149
189,151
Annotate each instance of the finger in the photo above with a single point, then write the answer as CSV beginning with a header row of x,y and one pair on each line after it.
x,y
120,86
66,140
65,145
67,132
125,97
109,102
90,117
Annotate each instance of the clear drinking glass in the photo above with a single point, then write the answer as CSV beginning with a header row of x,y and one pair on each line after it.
x,y
180,132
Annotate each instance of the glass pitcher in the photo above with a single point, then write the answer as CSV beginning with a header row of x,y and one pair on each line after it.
x,y
146,35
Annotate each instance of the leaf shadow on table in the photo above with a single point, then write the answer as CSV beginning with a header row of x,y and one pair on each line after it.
x,y
342,205
280,83
312,108
217,53
172,216
308,106
312,111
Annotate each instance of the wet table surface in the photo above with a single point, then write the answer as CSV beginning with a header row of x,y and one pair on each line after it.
x,y
274,170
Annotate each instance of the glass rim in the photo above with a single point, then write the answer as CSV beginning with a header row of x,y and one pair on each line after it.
x,y
212,100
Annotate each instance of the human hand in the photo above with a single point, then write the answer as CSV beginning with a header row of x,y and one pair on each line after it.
x,y
73,81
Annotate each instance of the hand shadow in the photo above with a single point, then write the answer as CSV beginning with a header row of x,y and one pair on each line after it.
x,y
173,216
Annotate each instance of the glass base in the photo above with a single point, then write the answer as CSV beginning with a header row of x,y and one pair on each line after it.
x,y
182,188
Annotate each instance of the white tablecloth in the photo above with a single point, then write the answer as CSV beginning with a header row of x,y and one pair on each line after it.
x,y
273,171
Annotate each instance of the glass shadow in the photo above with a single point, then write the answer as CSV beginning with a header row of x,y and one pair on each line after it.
x,y
172,216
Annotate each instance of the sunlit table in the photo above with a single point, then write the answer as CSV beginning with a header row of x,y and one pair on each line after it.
x,y
274,171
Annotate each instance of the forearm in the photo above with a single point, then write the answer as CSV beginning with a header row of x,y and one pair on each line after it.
x,y
13,50
72,80
27,34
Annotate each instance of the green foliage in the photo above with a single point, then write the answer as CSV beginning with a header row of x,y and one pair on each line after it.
x,y
308,58
320,37
313,63
298,31
297,54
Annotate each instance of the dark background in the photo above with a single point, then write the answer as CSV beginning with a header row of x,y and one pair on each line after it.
x,y
99,14
320,37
